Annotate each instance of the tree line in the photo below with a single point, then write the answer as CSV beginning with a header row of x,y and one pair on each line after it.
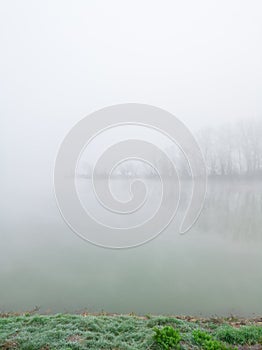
x,y
230,151
233,150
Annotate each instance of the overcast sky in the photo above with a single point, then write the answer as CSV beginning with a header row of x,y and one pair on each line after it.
x,y
61,60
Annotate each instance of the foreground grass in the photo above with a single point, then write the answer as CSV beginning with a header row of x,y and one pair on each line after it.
x,y
39,332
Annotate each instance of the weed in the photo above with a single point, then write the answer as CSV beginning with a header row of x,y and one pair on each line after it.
x,y
206,341
167,337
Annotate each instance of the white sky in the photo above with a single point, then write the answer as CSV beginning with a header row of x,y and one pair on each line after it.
x,y
61,60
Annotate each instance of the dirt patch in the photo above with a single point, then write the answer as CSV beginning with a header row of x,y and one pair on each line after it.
x,y
75,339
9,345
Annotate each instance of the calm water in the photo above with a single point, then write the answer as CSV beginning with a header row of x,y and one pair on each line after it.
x,y
214,269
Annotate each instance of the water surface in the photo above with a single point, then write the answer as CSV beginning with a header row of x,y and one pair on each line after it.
x,y
215,269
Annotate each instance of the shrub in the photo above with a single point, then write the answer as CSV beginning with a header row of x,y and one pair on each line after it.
x,y
207,342
167,337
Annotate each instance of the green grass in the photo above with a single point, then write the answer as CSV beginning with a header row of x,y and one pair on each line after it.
x,y
39,332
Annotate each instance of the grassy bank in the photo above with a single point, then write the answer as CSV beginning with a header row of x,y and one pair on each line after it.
x,y
126,332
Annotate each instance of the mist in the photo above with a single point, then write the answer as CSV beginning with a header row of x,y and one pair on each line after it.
x,y
201,62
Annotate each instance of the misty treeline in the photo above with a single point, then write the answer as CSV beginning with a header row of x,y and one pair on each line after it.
x,y
233,150
230,151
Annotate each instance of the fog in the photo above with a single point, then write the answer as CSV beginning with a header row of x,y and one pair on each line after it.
x,y
63,60
200,61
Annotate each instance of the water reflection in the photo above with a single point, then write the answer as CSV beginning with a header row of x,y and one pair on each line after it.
x,y
214,269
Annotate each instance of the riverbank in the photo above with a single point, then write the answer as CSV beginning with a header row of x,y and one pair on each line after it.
x,y
125,332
